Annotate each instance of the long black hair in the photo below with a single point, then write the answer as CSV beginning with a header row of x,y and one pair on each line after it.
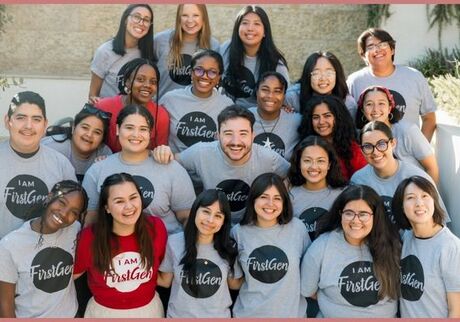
x,y
223,243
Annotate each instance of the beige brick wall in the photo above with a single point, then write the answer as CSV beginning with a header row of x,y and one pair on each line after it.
x,y
59,40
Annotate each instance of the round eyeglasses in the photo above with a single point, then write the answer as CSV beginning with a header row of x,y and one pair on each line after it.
x,y
363,216
381,146
146,21
199,72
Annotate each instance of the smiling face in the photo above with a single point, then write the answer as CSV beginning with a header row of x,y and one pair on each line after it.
x,y
62,212
235,137
208,221
356,231
270,97
202,86
418,206
323,121
87,135
380,161
137,30
124,204
191,20
251,30
268,207
314,165
376,106
322,79
144,85
26,127
134,134
378,58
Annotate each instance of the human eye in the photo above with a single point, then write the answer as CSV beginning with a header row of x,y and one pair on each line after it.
x,y
328,115
37,119
140,79
315,117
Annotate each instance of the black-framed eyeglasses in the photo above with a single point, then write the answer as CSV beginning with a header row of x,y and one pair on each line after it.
x,y
211,73
381,146
349,215
90,109
138,19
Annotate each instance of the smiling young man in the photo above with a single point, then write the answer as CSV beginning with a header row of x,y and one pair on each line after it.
x,y
29,170
232,162
409,87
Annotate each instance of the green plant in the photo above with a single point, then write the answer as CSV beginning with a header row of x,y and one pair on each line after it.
x,y
377,13
437,62
443,15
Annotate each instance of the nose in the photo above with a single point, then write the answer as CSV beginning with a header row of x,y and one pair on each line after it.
x,y
28,123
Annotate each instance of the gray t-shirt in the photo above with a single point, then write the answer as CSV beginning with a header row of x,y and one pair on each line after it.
x,y
409,87
309,205
270,259
292,99
279,135
386,187
244,95
411,145
175,78
42,273
429,269
106,64
192,119
165,188
342,277
207,296
26,182
214,169
80,165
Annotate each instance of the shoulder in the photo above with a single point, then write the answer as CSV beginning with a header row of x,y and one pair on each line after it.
x,y
163,35
105,47
224,47
52,154
363,72
409,71
361,175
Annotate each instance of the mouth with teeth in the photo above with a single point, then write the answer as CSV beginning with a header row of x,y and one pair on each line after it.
x,y
57,219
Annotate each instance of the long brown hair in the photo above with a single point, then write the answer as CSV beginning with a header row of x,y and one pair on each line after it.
x,y
204,36
105,242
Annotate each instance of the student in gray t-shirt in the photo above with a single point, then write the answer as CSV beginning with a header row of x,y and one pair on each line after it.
x,y
198,262
351,273
29,169
193,110
174,48
271,243
167,190
232,162
273,128
430,284
315,180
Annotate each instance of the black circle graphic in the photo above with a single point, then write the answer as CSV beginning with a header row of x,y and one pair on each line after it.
x,y
147,189
268,264
206,282
387,206
244,88
358,284
310,218
412,278
22,192
400,102
271,141
182,75
51,269
196,127
237,193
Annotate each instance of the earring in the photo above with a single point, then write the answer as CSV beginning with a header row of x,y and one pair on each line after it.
x,y
364,119
390,116
127,90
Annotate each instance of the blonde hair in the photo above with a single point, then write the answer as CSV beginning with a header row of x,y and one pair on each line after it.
x,y
204,36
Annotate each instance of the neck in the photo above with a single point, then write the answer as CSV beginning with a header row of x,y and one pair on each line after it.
x,y
383,71
37,226
76,152
265,224
268,116
426,230
189,38
251,51
25,153
389,170
134,157
130,41
315,186
205,239
201,95
123,230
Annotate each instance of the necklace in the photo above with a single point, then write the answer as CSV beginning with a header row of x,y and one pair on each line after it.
x,y
267,143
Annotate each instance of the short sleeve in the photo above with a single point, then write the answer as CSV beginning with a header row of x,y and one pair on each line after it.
x,y
282,69
167,265
310,269
428,104
280,165
100,64
83,255
8,269
182,194
416,143
449,260
90,186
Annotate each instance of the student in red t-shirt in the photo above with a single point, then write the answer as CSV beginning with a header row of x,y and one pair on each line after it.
x,y
121,254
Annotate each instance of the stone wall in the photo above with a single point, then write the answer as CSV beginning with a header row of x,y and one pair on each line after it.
x,y
54,40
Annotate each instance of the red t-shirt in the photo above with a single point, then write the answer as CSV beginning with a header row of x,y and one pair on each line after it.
x,y
357,161
114,105
128,286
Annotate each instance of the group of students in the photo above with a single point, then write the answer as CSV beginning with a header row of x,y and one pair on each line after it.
x,y
230,192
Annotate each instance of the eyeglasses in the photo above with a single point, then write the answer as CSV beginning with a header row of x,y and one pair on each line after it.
x,y
380,45
363,216
316,75
90,109
321,163
138,19
381,145
199,72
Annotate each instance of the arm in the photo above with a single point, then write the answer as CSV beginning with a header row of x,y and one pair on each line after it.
x,y
235,283
94,88
163,154
428,125
7,293
453,304
182,216
164,279
431,167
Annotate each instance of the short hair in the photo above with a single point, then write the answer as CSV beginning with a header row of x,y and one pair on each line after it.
x,y
397,204
275,74
378,33
376,126
208,53
258,187
235,111
26,97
